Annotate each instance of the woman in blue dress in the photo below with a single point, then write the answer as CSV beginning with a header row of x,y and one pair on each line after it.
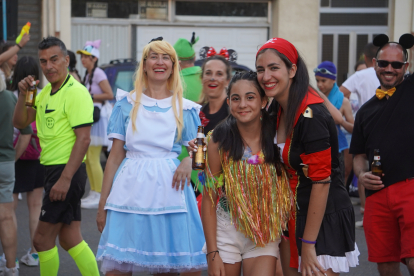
x,y
147,214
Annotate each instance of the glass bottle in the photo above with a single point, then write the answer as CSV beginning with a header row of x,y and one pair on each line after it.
x,y
31,95
376,166
199,157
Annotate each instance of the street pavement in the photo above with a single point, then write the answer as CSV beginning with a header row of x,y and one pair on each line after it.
x,y
91,235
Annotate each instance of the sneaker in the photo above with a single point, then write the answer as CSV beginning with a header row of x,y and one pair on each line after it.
x,y
11,271
3,263
359,224
93,203
30,259
90,196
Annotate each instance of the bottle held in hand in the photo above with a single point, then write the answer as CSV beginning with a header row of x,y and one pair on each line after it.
x,y
31,95
376,166
199,157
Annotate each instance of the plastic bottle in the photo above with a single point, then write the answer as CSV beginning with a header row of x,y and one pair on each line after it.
x,y
25,30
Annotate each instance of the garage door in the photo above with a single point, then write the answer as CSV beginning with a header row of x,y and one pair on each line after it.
x,y
246,41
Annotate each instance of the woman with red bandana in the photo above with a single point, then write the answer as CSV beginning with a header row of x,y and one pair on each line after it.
x,y
322,232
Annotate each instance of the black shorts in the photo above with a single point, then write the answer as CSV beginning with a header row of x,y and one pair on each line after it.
x,y
30,174
70,209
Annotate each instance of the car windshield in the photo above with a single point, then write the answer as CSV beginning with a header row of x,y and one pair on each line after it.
x,y
124,81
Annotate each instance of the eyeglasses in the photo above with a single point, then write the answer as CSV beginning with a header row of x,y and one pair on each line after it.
x,y
394,64
323,71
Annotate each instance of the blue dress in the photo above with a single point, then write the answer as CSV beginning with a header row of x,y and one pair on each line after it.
x,y
150,226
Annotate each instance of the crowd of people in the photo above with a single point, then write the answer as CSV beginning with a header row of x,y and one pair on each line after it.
x,y
272,199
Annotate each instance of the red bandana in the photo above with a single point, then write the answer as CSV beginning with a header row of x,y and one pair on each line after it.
x,y
223,52
282,46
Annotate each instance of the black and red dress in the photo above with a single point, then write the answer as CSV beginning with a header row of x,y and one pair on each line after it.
x,y
311,154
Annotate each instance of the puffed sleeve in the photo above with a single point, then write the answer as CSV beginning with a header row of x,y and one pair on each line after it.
x,y
191,123
117,122
315,136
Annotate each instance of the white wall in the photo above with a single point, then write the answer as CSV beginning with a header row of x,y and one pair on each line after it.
x,y
298,22
115,39
402,19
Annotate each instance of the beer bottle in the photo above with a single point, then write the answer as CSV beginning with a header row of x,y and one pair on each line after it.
x,y
199,157
376,167
31,95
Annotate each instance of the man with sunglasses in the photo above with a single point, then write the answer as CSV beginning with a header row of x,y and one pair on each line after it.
x,y
385,123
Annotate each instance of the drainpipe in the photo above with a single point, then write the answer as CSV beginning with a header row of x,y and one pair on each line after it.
x,y
57,18
4,21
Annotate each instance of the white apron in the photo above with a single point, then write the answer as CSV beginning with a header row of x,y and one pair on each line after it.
x,y
144,182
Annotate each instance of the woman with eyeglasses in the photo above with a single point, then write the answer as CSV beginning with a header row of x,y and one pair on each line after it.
x,y
147,211
322,233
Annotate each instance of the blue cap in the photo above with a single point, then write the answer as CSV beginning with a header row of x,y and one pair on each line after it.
x,y
326,69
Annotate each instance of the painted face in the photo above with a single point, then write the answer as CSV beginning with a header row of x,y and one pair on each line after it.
x,y
325,85
214,79
54,64
245,102
87,61
388,76
273,75
158,66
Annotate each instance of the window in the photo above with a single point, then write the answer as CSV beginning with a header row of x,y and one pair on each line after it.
x,y
116,9
11,21
343,54
353,19
359,3
354,3
327,47
124,81
221,9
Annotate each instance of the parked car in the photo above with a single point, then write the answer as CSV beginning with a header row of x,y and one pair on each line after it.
x,y
120,73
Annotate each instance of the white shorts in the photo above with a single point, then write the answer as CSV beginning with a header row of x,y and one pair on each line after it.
x,y
233,246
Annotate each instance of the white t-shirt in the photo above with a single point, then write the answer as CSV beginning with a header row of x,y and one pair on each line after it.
x,y
362,84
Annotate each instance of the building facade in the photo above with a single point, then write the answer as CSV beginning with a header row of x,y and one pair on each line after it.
x,y
335,30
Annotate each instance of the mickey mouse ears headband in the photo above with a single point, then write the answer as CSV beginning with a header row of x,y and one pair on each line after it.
x,y
406,41
229,54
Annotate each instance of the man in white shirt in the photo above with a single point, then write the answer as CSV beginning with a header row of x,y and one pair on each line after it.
x,y
363,83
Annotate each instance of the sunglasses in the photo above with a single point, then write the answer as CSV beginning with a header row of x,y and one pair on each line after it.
x,y
323,71
394,64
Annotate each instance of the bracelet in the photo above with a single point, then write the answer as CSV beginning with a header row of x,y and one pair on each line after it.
x,y
321,182
306,241
215,252
18,46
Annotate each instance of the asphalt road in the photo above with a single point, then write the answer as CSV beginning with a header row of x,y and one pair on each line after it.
x,y
91,236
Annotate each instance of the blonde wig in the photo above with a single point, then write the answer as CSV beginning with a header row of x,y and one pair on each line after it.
x,y
174,83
